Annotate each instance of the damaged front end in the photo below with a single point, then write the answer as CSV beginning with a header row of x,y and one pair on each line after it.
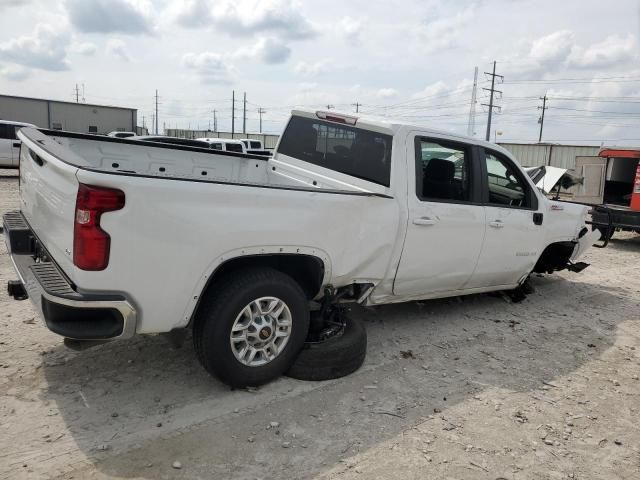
x,y
564,255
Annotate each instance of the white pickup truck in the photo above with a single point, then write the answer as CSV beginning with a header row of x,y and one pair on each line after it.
x,y
117,237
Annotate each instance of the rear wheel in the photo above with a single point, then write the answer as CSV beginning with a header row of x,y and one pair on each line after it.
x,y
251,326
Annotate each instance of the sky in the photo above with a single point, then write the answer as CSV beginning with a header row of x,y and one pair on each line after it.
x,y
412,60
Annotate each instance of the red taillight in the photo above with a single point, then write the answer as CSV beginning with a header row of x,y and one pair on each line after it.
x,y
346,119
90,243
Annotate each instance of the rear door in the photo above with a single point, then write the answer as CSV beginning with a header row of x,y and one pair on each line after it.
x,y
593,171
514,231
446,218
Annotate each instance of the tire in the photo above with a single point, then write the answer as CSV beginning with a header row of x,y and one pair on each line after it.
x,y
334,358
228,303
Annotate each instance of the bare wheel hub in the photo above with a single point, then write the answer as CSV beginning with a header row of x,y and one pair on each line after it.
x,y
261,331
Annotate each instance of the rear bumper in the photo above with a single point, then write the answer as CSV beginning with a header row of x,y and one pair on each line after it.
x,y
81,316
611,217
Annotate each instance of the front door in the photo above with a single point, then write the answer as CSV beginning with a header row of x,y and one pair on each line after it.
x,y
446,220
514,232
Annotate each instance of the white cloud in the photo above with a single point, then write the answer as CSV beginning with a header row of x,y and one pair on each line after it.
x,y
13,3
387,93
553,49
190,13
248,17
111,16
210,67
118,48
85,48
446,32
307,86
15,72
268,50
614,50
45,48
432,90
351,29
311,69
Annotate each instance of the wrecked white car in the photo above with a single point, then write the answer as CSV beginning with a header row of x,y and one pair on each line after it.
x,y
117,237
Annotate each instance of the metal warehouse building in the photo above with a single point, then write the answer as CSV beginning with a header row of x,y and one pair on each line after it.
x,y
537,154
60,115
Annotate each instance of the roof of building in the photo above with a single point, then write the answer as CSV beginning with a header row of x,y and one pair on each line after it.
x,y
65,101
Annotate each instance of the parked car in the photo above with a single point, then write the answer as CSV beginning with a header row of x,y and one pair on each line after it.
x,y
255,147
10,143
119,134
349,209
225,144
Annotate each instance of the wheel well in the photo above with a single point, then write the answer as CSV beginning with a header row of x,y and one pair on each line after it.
x,y
306,270
555,257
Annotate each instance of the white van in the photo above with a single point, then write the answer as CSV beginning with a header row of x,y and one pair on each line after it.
x,y
9,143
225,144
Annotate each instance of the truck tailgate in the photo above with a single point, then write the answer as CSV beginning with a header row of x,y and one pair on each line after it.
x,y
48,188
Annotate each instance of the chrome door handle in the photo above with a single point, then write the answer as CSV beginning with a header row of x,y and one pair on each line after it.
x,y
424,221
496,224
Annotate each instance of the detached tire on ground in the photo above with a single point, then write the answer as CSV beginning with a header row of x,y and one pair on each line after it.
x,y
334,358
250,326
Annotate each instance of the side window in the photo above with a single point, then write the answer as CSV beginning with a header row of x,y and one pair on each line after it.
x,y
216,146
505,182
94,129
442,170
6,131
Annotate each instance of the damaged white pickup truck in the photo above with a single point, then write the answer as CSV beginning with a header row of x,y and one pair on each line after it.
x,y
117,237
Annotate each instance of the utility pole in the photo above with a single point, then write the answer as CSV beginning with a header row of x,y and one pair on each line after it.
x,y
143,122
153,122
329,106
490,105
233,112
156,117
215,121
244,114
471,127
77,94
357,105
541,119
260,112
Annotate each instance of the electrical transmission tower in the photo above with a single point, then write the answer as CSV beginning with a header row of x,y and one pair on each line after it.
x,y
492,91
471,128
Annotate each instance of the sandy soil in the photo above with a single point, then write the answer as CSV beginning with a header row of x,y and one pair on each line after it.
x,y
465,388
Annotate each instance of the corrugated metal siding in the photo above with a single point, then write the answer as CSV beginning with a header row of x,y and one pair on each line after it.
x,y
563,156
77,117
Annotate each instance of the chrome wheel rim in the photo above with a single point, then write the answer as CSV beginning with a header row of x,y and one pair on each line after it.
x,y
261,331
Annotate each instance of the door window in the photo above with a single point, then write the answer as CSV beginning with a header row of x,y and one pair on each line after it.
x,y
8,131
506,184
442,171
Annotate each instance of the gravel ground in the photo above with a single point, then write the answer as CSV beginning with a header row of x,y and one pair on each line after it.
x,y
464,388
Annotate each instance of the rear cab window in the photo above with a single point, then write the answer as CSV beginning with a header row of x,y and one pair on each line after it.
x,y
362,154
255,145
234,147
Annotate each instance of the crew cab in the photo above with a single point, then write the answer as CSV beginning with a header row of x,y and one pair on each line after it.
x,y
10,143
116,237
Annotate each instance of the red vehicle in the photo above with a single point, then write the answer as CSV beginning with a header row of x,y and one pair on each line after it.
x,y
612,185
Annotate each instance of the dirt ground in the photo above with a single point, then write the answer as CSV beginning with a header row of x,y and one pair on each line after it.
x,y
464,388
